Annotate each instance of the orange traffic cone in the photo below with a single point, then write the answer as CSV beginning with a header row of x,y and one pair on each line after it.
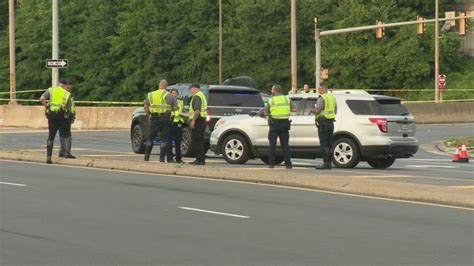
x,y
464,158
456,154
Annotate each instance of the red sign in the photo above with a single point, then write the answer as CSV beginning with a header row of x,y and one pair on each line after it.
x,y
442,82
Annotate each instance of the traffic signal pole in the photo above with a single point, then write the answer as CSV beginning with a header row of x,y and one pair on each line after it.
x,y
318,34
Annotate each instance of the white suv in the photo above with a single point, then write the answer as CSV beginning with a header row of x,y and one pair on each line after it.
x,y
372,128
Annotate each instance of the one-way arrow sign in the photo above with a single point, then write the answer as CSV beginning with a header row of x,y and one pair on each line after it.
x,y
59,63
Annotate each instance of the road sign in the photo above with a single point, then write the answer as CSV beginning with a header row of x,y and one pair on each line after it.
x,y
57,63
442,82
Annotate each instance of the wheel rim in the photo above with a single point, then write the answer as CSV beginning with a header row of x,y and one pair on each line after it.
x,y
343,153
234,149
185,141
137,138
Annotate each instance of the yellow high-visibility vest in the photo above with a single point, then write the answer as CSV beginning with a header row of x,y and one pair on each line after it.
x,y
203,112
58,98
280,107
177,118
329,107
157,100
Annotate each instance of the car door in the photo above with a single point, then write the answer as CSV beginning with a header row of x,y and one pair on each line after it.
x,y
305,131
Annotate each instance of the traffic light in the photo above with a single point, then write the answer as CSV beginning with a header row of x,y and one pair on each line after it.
x,y
380,31
462,24
421,26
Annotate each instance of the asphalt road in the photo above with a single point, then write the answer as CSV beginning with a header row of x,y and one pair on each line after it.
x,y
428,166
57,215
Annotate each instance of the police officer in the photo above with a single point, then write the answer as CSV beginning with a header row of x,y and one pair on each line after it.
x,y
66,142
177,124
278,110
59,103
158,105
197,117
306,88
325,111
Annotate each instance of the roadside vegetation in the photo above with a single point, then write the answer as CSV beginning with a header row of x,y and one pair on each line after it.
x,y
452,142
118,50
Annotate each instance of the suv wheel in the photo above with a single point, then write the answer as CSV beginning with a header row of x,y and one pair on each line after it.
x,y
186,143
345,153
278,159
138,139
235,150
381,163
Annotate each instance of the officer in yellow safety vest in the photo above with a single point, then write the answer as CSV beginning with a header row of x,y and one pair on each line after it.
x,y
325,112
278,110
197,117
158,106
57,103
177,124
66,141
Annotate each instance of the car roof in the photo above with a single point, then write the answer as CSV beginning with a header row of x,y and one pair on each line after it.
x,y
231,87
346,95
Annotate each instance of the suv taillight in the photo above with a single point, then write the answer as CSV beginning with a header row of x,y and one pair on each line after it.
x,y
208,117
381,123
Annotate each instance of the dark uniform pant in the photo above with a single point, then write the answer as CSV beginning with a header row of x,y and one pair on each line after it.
x,y
176,135
159,123
279,129
197,139
325,132
56,121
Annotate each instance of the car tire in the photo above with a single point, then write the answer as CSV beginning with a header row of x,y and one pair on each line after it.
x,y
235,149
186,145
278,159
381,163
138,139
345,153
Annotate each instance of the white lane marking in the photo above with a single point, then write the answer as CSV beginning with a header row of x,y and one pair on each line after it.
x,y
463,187
207,179
12,184
214,212
110,155
431,166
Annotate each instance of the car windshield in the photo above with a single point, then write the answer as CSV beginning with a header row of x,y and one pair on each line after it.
x,y
235,98
381,106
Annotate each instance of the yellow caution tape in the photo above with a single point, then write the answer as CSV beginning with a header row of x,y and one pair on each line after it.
x,y
19,92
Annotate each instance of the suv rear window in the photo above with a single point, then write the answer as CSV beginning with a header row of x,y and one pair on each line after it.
x,y
377,107
235,98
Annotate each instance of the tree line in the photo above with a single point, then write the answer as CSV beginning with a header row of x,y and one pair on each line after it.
x,y
119,50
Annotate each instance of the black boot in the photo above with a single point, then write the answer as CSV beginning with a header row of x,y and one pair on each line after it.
x,y
148,148
49,151
326,163
62,146
67,149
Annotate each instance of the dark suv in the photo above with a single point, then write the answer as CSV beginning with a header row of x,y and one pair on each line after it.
x,y
222,100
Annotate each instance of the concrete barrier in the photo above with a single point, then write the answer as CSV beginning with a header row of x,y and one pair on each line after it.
x,y
120,117
87,117
432,113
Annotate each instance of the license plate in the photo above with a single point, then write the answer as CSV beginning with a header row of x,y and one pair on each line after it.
x,y
404,126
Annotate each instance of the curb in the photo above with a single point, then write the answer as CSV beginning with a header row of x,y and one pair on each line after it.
x,y
342,184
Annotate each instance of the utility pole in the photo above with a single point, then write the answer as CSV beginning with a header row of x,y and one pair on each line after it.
x,y
11,10
436,70
317,59
55,44
221,62
294,83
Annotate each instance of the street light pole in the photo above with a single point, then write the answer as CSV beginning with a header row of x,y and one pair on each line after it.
x,y
294,82
436,70
55,43
11,12
221,62
317,60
